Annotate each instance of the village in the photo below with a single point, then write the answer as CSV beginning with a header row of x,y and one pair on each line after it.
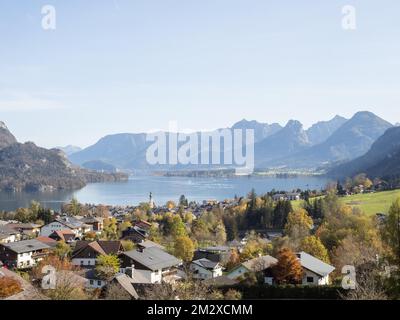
x,y
218,249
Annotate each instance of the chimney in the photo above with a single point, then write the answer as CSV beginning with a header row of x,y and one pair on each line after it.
x,y
129,271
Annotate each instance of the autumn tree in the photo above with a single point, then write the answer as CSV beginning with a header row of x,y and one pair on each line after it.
x,y
107,266
9,287
313,246
184,248
299,225
391,230
234,259
288,270
62,250
110,229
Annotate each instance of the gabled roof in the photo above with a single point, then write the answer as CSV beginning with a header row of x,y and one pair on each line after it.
x,y
71,222
46,240
5,232
127,284
260,263
26,246
315,265
100,247
153,258
149,244
207,264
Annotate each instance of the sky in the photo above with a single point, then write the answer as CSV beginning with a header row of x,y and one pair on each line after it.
x,y
114,66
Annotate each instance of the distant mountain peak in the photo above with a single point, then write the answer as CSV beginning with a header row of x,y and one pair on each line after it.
x,y
6,137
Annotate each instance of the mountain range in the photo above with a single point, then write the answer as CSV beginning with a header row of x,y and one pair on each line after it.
x,y
381,161
323,145
27,167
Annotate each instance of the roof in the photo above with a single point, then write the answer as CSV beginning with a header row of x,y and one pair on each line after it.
x,y
127,284
50,242
92,220
28,226
101,247
218,249
206,264
5,232
26,246
153,258
150,244
29,292
71,222
221,281
64,235
315,265
260,263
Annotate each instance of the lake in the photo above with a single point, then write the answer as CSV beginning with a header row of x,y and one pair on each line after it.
x,y
137,190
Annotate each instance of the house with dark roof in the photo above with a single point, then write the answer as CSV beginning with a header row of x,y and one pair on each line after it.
x,y
86,253
204,269
23,254
67,235
25,230
135,234
151,265
315,271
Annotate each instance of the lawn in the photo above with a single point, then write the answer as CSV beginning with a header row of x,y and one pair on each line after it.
x,y
370,203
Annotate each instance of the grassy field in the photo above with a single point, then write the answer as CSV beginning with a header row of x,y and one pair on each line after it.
x,y
370,203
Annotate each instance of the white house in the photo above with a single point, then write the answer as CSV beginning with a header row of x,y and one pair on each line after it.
x,y
66,223
8,235
205,269
316,272
149,265
86,253
23,254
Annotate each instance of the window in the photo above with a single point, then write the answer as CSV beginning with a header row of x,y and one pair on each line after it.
x,y
310,280
99,283
82,262
92,282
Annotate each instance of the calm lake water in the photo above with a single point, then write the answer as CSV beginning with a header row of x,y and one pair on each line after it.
x,y
137,189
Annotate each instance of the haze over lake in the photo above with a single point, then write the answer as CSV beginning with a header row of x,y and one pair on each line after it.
x,y
137,189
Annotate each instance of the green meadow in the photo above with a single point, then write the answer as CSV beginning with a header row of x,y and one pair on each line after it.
x,y
370,203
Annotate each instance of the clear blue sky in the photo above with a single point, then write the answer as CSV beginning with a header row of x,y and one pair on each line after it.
x,y
133,65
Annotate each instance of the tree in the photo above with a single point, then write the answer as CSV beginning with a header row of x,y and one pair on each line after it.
x,y
299,224
170,205
183,201
110,229
107,266
127,245
62,250
184,248
9,287
231,227
281,212
234,259
313,246
391,230
177,227
288,270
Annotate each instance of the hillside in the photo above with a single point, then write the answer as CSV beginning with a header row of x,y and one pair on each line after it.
x,y
27,167
6,137
382,160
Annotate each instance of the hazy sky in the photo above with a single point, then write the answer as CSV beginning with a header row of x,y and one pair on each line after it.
x,y
133,65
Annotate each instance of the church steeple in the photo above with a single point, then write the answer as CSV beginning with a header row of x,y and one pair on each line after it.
x,y
151,201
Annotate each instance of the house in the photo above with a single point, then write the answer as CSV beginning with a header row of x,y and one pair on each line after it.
x,y
66,223
26,230
204,269
86,253
151,265
316,272
149,244
67,235
219,254
260,264
8,235
96,223
135,234
23,254
290,196
46,240
28,292
125,284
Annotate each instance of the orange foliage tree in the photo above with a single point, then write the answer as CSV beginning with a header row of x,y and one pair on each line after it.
x,y
288,270
9,287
